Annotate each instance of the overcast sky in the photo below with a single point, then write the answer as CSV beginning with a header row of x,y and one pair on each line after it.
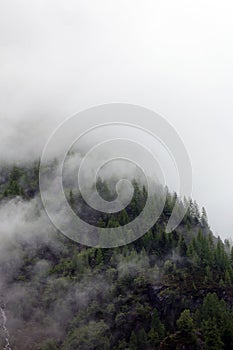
x,y
174,57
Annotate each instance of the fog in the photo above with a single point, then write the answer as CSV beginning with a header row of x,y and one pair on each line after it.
x,y
27,235
176,58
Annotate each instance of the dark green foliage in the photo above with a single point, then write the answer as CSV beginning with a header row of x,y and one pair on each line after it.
x,y
91,336
49,344
212,339
163,291
182,247
185,322
20,181
133,342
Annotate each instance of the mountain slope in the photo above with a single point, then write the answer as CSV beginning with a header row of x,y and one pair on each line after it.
x,y
163,291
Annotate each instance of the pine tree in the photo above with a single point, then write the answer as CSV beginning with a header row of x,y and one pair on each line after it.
x,y
196,212
212,339
153,337
142,339
133,342
123,217
227,278
101,223
99,257
182,247
185,322
157,325
204,219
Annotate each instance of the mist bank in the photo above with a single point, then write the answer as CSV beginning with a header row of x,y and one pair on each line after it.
x,y
60,294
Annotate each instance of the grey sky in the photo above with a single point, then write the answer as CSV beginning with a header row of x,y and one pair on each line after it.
x,y
175,57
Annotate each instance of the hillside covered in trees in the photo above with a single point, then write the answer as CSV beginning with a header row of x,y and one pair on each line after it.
x,y
163,291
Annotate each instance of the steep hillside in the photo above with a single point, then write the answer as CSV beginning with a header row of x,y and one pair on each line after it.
x,y
163,291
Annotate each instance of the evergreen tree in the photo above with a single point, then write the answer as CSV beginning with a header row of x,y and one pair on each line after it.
x,y
142,339
185,322
157,330
196,211
212,339
204,219
99,257
133,342
182,247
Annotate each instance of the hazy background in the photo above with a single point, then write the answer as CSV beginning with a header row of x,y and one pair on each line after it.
x,y
175,57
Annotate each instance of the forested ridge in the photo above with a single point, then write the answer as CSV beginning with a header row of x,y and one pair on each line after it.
x,y
162,291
